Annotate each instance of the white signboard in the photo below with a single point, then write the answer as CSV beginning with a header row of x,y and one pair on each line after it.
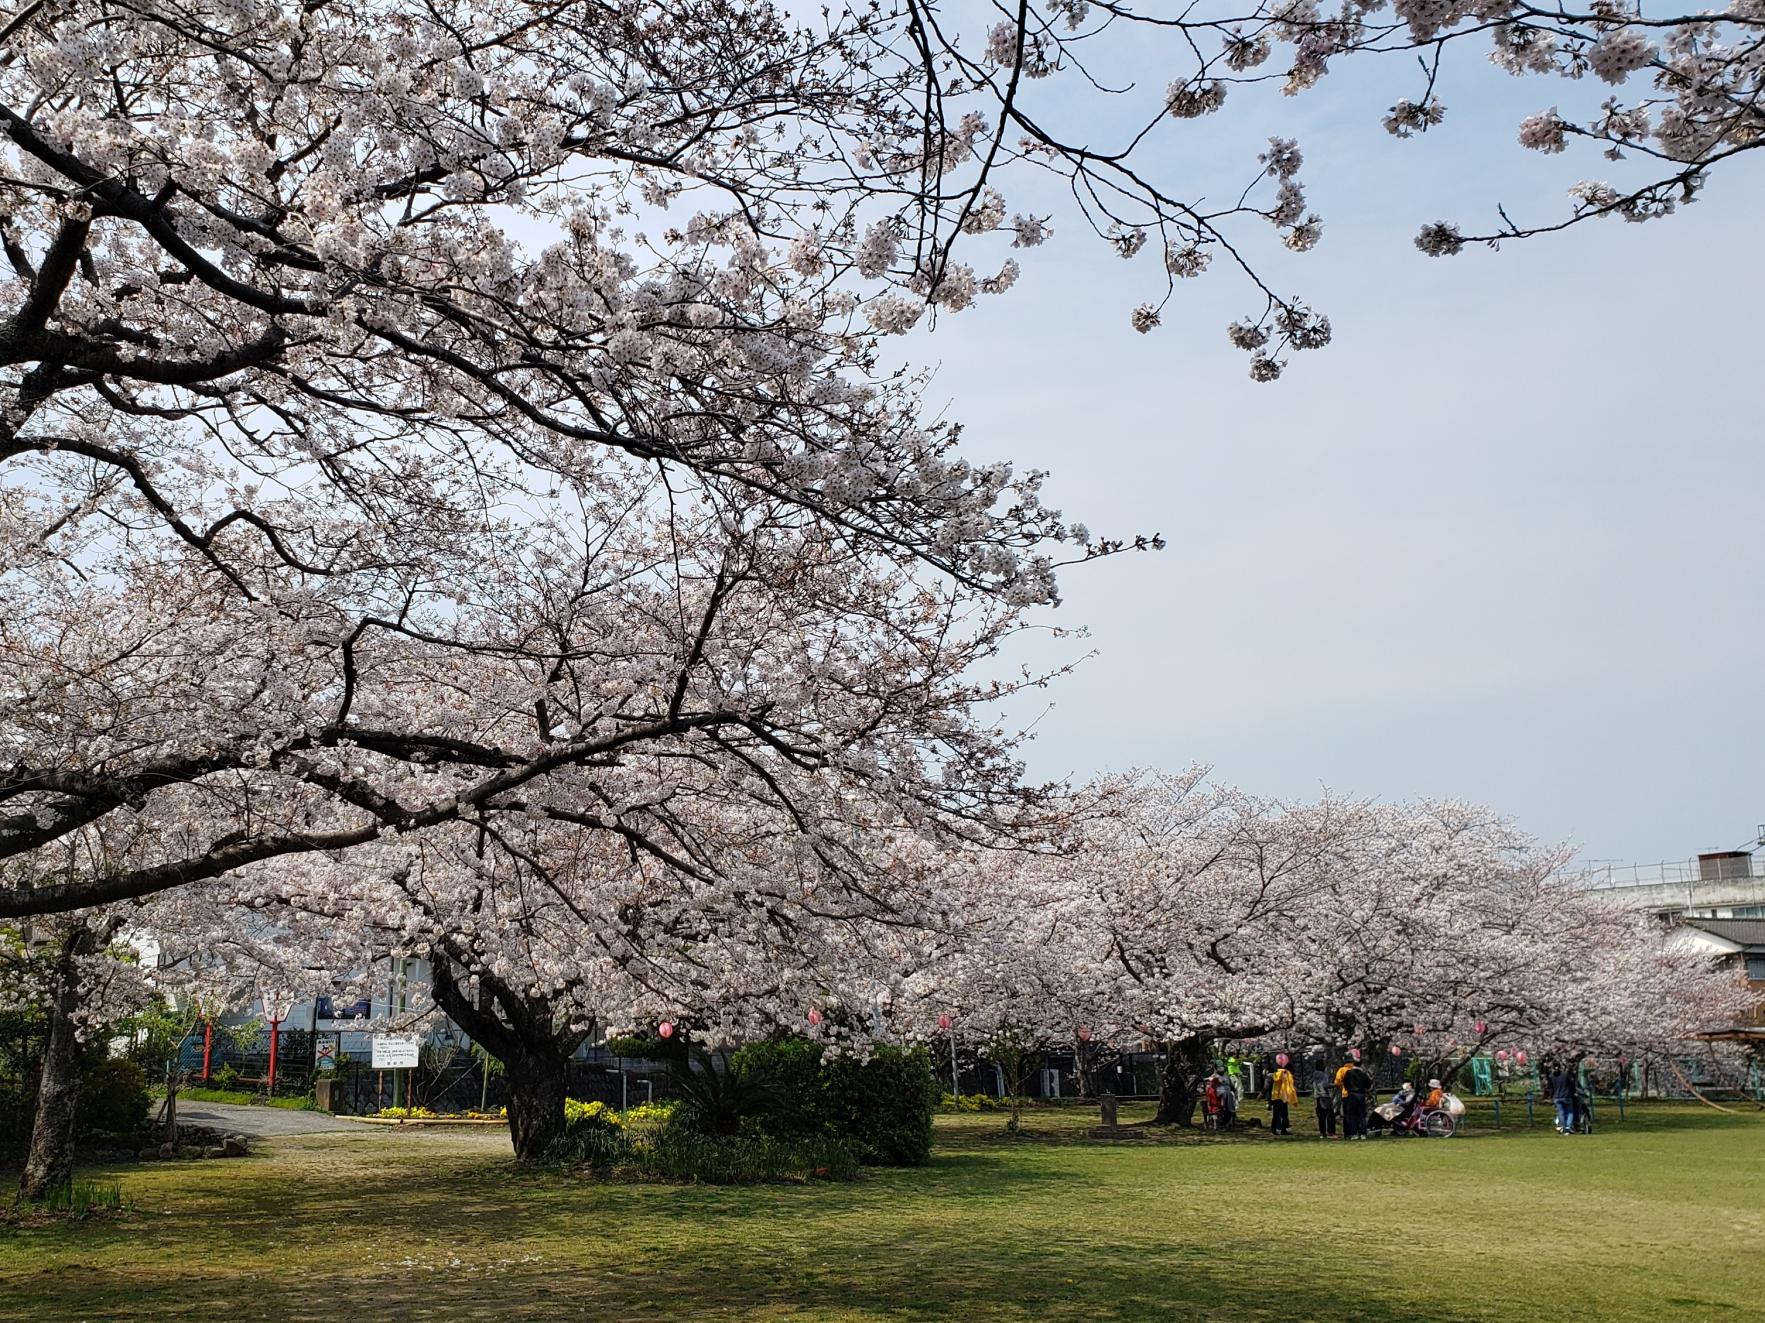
x,y
394,1051
326,1054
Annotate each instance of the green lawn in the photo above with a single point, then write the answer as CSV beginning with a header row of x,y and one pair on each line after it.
x,y
1663,1216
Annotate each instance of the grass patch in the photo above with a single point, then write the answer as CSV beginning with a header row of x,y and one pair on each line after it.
x,y
1660,1216
240,1098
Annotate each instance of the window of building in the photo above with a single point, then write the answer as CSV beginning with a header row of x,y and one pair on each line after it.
x,y
1756,968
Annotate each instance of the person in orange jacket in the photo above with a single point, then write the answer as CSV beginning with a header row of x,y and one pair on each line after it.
x,y
1283,1093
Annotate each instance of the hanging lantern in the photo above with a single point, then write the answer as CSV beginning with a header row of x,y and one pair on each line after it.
x,y
814,1017
1396,1051
1520,1056
1354,1054
944,1022
1281,1058
1481,1028
665,1029
1502,1055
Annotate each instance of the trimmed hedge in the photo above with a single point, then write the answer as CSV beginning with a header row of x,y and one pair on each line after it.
x,y
882,1106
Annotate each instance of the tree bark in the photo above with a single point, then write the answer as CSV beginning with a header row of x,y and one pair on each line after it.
x,y
1185,1062
536,1083
521,1032
50,1162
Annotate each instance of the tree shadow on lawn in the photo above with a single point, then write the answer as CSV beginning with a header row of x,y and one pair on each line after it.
x,y
970,1236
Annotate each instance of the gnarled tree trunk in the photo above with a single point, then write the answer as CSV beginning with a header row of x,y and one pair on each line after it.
x,y
1185,1065
524,1033
50,1161
536,1082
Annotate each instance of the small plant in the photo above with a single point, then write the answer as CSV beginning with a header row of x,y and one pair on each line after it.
x,y
78,1199
591,1144
975,1102
226,1079
649,1115
407,1114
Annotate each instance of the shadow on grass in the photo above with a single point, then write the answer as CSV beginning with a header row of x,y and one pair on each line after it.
x,y
995,1228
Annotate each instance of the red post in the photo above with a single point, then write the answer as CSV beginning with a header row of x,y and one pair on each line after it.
x,y
207,1046
275,1033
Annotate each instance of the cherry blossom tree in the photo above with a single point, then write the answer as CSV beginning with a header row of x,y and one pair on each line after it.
x,y
1189,914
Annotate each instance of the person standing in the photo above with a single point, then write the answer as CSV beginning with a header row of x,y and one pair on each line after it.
x,y
1357,1091
1282,1095
1325,1097
1562,1087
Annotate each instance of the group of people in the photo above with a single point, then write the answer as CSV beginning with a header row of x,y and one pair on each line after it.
x,y
1343,1099
1573,1103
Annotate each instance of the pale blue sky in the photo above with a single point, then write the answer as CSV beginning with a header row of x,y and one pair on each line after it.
x,y
1500,541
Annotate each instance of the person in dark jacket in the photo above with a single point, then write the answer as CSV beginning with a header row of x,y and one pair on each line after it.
x,y
1562,1091
1357,1091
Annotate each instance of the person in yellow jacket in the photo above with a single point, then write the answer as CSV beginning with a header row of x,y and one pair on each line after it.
x,y
1283,1093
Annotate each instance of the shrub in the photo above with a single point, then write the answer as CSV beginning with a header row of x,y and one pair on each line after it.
x,y
973,1102
597,1113
226,1079
882,1106
113,1097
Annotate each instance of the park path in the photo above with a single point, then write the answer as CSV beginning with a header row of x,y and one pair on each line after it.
x,y
265,1122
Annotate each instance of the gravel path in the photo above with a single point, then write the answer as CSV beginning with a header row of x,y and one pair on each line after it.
x,y
265,1121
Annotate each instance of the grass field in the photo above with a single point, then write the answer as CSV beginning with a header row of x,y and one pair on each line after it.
x,y
1661,1217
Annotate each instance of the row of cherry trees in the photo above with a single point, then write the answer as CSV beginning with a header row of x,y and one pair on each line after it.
x,y
1189,913
454,499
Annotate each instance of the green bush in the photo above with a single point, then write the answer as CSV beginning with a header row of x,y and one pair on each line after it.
x,y
113,1097
882,1106
226,1079
976,1102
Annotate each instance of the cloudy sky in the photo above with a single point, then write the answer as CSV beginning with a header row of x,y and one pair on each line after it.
x,y
1500,541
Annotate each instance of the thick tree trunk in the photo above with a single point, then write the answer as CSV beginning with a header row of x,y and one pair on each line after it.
x,y
50,1162
536,1101
521,1032
1185,1063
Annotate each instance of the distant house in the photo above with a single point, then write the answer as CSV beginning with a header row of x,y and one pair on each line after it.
x,y
1739,943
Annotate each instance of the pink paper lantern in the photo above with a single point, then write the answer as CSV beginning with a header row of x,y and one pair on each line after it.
x,y
1354,1054
1481,1028
814,1017
944,1022
1502,1055
1520,1057
1280,1058
1396,1051
666,1029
